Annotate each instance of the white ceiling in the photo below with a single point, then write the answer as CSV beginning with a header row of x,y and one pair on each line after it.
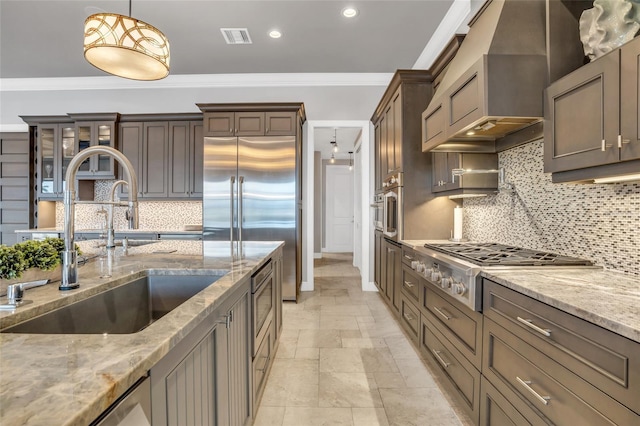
x,y
41,40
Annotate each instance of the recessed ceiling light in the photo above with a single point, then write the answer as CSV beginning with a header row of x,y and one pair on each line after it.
x,y
349,12
275,34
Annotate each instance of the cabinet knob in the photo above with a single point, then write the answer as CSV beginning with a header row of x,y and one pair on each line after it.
x,y
605,145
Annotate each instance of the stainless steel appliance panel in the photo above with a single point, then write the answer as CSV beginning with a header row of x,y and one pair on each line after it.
x,y
249,194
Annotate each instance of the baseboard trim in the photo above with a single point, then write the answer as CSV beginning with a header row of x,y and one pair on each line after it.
x,y
370,286
306,286
317,255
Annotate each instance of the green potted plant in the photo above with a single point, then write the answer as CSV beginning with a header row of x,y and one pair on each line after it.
x,y
32,260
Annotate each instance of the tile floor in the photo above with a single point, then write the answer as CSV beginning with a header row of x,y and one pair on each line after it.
x,y
343,360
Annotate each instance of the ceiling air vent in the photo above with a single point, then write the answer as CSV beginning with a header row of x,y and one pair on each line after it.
x,y
236,35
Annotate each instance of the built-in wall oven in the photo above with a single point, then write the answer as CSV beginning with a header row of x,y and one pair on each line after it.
x,y
262,297
378,211
392,207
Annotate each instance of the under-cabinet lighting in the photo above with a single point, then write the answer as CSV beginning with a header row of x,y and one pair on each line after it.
x,y
458,196
616,179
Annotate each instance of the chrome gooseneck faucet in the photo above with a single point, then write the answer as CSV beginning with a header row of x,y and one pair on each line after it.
x,y
69,261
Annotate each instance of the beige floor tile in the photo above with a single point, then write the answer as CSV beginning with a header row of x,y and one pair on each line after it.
x,y
348,390
417,407
415,374
308,353
389,380
302,416
319,338
338,322
344,360
369,417
363,342
269,416
356,360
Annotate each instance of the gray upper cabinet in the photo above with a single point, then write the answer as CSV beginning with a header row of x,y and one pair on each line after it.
x,y
96,130
185,159
592,118
445,162
251,123
166,156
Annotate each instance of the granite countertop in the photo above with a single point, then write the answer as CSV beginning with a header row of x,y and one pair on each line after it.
x,y
117,231
71,379
606,298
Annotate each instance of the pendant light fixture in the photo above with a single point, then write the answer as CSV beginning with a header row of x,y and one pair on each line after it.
x,y
333,158
350,161
126,47
334,142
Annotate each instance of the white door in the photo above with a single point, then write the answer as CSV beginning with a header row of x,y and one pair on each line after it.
x,y
339,209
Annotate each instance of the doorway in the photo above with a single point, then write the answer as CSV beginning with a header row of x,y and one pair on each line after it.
x,y
338,209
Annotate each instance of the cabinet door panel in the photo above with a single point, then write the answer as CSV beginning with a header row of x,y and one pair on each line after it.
x,y
179,133
249,123
154,160
219,124
439,172
377,155
582,110
433,127
131,135
630,100
396,108
197,156
280,123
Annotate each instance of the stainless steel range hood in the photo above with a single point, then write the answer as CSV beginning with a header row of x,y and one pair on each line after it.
x,y
494,85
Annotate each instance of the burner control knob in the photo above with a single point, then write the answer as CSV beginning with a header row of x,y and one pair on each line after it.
x,y
436,276
393,180
446,282
459,289
414,265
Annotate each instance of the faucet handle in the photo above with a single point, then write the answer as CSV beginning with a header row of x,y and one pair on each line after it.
x,y
14,293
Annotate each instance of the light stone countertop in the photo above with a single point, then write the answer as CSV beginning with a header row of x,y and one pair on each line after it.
x,y
605,298
71,379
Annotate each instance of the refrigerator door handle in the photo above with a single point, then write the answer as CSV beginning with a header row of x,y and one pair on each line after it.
x,y
240,216
231,213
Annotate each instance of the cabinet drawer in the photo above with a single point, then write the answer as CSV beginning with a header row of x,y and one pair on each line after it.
x,y
606,360
460,325
411,284
408,256
261,364
409,317
497,409
549,388
464,377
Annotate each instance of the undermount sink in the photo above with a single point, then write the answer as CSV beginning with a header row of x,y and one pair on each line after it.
x,y
125,309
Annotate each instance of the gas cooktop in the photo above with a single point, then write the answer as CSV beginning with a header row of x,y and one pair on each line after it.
x,y
493,254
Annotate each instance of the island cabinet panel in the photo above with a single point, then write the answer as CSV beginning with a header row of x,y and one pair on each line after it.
x,y
205,378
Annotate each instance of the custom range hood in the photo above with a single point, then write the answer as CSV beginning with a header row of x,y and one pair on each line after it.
x,y
494,85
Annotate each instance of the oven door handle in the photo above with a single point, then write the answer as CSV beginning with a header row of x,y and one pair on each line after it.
x,y
385,214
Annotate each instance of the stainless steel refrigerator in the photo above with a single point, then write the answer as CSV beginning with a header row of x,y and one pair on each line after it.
x,y
249,194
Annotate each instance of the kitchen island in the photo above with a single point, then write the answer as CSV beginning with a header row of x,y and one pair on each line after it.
x,y
71,379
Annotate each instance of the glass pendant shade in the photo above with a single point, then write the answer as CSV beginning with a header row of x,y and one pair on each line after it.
x,y
126,47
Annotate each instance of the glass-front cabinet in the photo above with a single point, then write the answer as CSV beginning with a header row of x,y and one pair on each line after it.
x,y
95,130
56,147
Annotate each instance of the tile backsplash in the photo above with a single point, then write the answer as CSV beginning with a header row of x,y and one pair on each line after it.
x,y
599,222
154,215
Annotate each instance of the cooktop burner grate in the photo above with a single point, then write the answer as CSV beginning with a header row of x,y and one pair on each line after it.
x,y
493,254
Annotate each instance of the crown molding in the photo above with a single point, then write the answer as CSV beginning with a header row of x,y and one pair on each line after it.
x,y
453,23
196,81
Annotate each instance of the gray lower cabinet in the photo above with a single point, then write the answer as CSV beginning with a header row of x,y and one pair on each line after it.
x,y
205,378
562,368
391,273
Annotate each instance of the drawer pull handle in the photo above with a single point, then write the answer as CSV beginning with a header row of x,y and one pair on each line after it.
x,y
442,312
529,323
408,257
409,284
408,317
444,363
527,385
